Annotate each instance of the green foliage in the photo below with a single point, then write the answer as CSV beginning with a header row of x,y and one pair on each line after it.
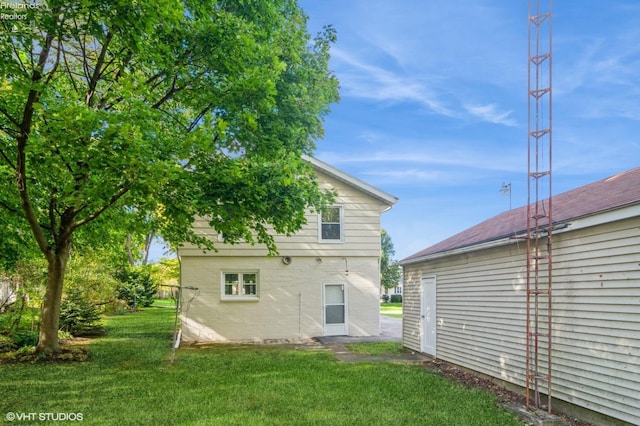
x,y
91,271
25,339
166,271
390,272
143,115
78,315
136,287
396,298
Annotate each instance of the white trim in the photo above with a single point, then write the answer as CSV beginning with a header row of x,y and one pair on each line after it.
x,y
328,241
239,298
353,181
574,224
344,330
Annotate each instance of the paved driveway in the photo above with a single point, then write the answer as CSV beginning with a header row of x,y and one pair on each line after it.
x,y
390,331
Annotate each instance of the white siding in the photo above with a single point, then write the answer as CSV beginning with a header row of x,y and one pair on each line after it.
x,y
361,230
596,316
290,303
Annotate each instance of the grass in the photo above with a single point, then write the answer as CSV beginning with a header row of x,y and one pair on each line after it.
x,y
128,380
165,303
393,310
376,348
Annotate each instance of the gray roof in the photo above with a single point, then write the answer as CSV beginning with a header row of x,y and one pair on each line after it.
x,y
612,193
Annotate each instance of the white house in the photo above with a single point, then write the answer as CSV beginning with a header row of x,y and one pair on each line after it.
x,y
326,280
464,299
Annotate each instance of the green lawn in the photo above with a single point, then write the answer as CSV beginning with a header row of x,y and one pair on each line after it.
x,y
129,380
393,310
376,348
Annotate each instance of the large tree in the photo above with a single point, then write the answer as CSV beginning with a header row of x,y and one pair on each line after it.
x,y
126,113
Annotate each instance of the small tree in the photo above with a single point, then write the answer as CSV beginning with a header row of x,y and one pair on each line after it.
x,y
78,315
389,268
137,288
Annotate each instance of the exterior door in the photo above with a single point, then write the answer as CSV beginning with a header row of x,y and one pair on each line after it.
x,y
428,316
335,310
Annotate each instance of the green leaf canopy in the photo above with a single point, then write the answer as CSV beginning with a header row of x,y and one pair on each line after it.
x,y
163,109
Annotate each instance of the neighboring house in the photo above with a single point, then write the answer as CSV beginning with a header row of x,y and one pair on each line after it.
x,y
8,292
326,280
465,301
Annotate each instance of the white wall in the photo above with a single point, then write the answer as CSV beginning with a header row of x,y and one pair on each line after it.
x,y
596,315
361,230
290,300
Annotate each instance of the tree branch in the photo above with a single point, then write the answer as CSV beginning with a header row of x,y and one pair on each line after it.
x,y
169,94
93,216
9,208
21,163
7,160
71,78
201,114
13,121
52,217
97,71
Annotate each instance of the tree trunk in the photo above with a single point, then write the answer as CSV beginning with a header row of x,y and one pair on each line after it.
x,y
57,264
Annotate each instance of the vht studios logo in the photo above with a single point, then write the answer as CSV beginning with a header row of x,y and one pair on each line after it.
x,y
43,417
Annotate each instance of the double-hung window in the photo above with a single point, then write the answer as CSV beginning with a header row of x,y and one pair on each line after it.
x,y
331,221
240,286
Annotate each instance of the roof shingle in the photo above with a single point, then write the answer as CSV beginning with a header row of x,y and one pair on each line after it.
x,y
611,193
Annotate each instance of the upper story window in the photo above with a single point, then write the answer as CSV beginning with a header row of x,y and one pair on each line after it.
x,y
331,224
240,285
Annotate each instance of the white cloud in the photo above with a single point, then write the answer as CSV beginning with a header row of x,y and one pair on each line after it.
x,y
491,114
363,80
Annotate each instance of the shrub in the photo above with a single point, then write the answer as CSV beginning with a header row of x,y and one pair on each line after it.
x,y
25,339
396,298
136,287
78,315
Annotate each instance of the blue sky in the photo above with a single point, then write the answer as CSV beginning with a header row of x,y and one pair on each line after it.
x,y
434,103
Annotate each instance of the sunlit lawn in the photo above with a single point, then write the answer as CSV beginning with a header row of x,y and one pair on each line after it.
x,y
129,380
393,310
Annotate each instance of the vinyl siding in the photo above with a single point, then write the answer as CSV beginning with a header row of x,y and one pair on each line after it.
x,y
361,230
596,315
290,305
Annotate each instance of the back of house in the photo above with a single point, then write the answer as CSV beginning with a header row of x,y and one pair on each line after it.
x,y
325,281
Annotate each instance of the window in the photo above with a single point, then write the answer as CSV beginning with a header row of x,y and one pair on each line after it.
x,y
331,229
240,285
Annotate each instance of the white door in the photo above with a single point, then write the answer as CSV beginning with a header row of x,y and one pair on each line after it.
x,y
335,310
428,316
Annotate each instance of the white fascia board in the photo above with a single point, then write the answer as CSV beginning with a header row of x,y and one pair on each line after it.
x,y
352,181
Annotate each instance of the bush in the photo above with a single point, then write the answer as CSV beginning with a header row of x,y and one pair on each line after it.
x,y
25,339
78,315
136,287
396,298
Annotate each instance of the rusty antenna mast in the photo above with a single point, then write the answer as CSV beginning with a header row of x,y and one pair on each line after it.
x,y
539,207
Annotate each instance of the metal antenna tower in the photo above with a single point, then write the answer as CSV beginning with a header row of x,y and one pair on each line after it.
x,y
539,206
